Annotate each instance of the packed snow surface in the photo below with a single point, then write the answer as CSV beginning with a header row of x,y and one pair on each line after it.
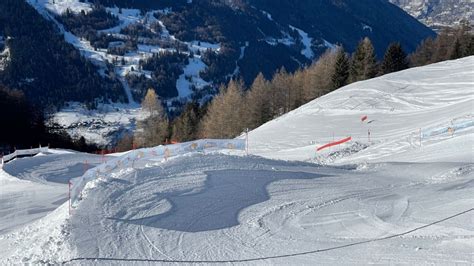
x,y
30,189
388,200
223,208
422,114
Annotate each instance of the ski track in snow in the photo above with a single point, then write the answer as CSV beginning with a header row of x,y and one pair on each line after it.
x,y
398,105
372,205
390,200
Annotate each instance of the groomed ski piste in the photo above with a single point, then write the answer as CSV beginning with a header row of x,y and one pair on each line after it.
x,y
402,195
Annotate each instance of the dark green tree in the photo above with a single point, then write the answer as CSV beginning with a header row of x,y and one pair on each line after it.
x,y
341,69
364,62
469,50
456,52
464,41
185,126
395,59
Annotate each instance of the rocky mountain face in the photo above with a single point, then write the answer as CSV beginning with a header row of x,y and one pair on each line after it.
x,y
438,13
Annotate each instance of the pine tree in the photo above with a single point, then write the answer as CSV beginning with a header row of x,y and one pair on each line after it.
x,y
456,51
449,44
465,37
395,59
257,102
443,45
186,125
319,76
297,81
278,90
469,48
423,54
281,93
364,62
125,143
224,118
152,130
150,103
341,70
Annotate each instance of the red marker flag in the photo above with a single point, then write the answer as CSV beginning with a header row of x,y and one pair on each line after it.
x,y
335,143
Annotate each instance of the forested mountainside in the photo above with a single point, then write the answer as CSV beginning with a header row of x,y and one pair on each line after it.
x,y
344,22
183,49
38,61
437,13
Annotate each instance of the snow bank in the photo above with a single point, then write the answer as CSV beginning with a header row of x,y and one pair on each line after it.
x,y
42,242
160,153
27,234
17,153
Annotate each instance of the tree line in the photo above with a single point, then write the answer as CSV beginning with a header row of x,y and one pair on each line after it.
x,y
237,108
22,126
451,43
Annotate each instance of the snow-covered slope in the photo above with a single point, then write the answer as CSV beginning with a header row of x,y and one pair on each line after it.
x,y
422,114
32,196
247,209
391,203
33,187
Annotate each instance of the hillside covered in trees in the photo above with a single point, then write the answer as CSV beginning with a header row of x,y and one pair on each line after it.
x,y
142,44
189,51
238,107
46,68
23,126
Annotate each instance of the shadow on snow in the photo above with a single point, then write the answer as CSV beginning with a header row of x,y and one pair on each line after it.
x,y
217,206
58,168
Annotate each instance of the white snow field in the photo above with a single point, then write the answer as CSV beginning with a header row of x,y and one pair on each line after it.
x,y
383,201
432,99
31,188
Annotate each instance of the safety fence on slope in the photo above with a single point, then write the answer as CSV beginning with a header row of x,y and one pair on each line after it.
x,y
21,153
334,143
129,160
420,135
454,127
